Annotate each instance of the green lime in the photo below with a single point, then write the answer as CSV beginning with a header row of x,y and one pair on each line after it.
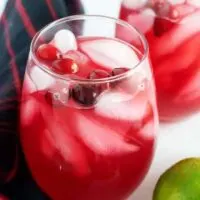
x,y
180,182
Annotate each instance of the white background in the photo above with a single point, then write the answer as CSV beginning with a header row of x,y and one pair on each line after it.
x,y
2,4
175,141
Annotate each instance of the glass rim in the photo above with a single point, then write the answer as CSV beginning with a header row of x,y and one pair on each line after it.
x,y
46,69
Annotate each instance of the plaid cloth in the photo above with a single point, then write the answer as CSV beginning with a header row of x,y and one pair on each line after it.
x,y
20,21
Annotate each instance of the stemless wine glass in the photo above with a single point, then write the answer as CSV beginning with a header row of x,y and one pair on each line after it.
x,y
89,134
173,33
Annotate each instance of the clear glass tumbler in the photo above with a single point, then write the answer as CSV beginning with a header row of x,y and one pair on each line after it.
x,y
173,33
88,114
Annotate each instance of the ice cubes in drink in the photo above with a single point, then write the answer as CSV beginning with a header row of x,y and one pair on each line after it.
x,y
134,4
174,2
143,21
65,40
195,3
103,140
41,79
181,32
110,53
116,105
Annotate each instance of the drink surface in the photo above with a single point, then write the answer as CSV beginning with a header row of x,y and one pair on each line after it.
x,y
173,33
91,140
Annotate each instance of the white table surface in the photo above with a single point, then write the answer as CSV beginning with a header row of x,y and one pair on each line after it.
x,y
175,141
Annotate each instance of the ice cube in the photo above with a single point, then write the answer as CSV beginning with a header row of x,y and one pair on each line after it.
x,y
128,37
134,4
149,130
28,86
110,53
40,78
143,21
122,106
182,10
173,2
61,138
78,57
134,84
65,40
148,12
194,2
103,140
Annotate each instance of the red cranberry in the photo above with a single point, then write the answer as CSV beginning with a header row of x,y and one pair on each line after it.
x,y
98,74
85,94
162,25
47,52
118,71
65,66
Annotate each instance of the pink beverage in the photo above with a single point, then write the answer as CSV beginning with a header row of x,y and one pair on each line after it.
x,y
173,32
88,120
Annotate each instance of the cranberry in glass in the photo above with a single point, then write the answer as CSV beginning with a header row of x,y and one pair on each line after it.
x,y
65,66
85,94
47,52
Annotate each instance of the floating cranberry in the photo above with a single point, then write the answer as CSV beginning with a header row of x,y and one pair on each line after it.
x,y
85,94
118,71
65,66
47,52
98,74
162,26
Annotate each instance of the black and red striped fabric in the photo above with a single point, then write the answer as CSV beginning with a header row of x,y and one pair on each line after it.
x,y
19,22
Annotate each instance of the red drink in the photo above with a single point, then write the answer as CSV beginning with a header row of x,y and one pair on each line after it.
x,y
89,135
172,30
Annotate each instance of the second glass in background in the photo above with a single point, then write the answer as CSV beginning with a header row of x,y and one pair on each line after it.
x,y
173,32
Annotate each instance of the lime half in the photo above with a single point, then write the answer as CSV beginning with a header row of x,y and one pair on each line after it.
x,y
180,182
